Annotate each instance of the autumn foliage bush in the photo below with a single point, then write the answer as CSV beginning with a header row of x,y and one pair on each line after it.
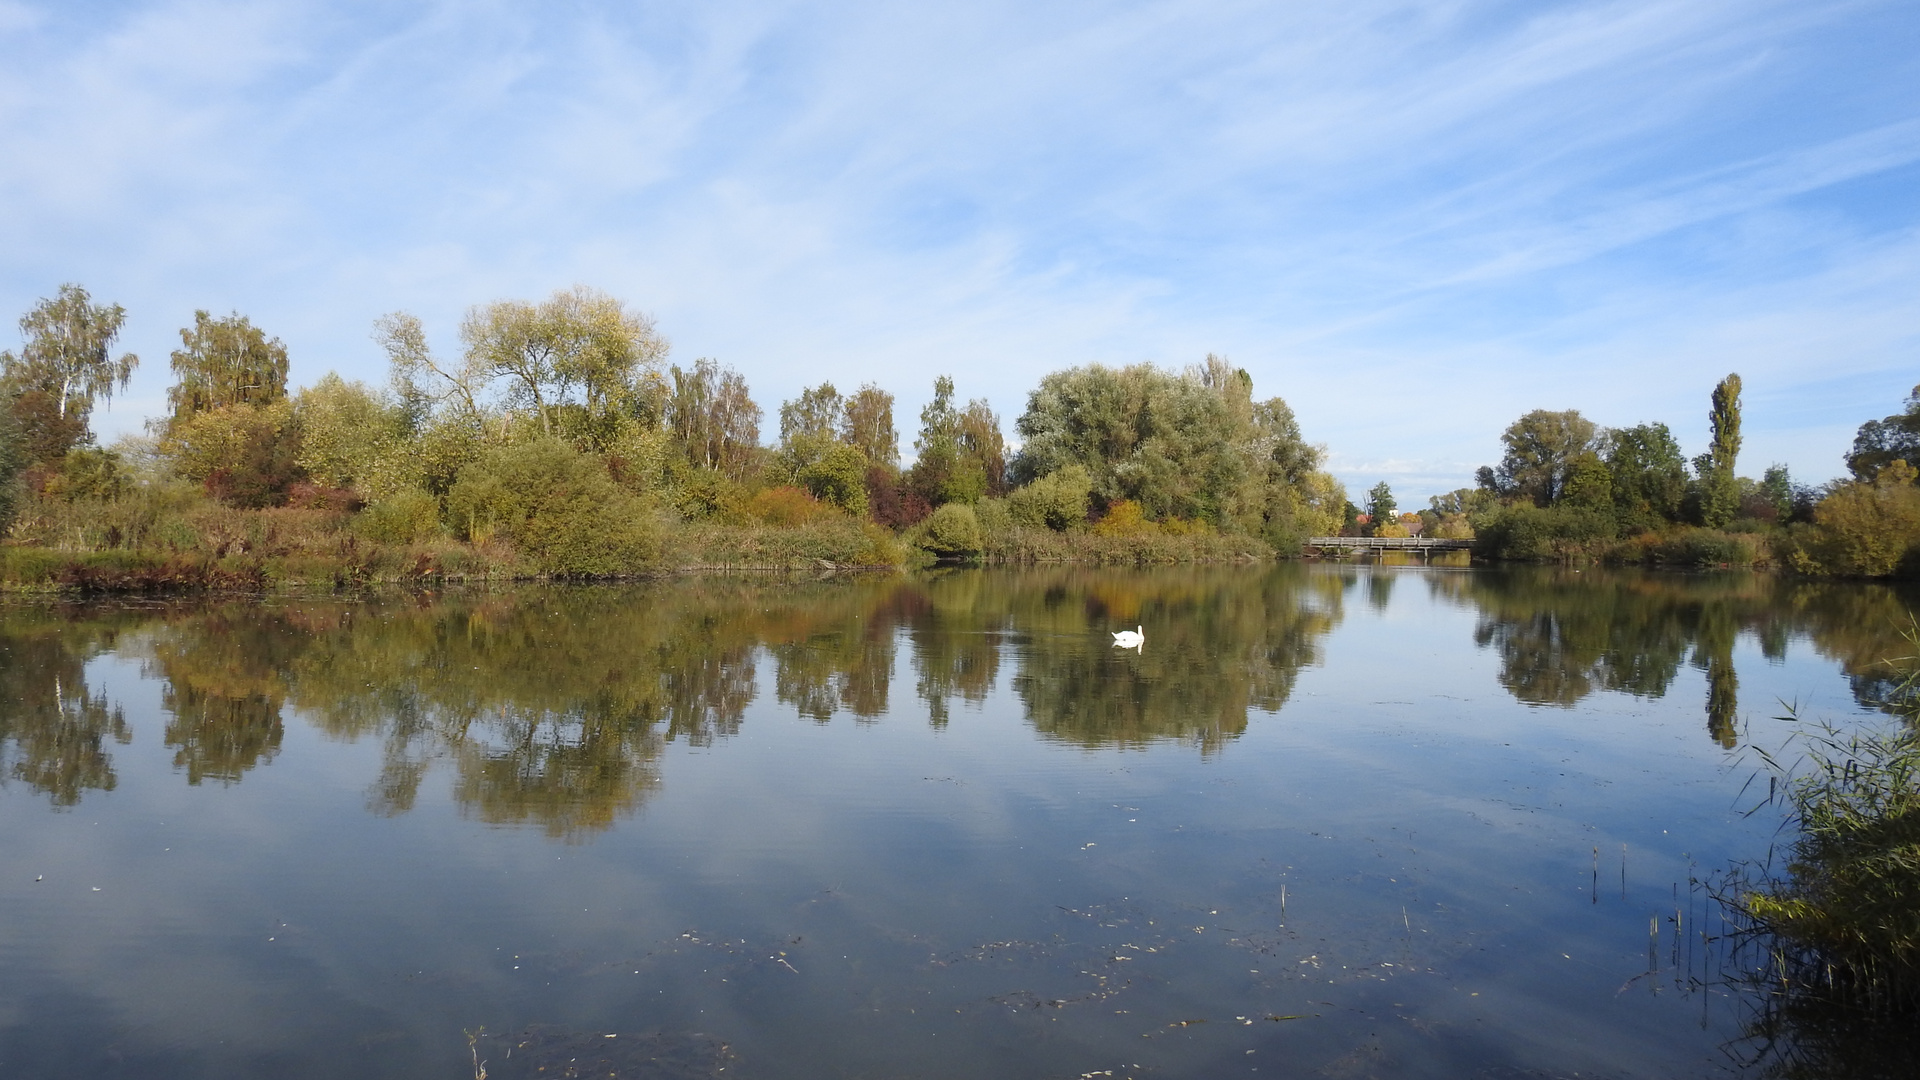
x,y
789,507
558,507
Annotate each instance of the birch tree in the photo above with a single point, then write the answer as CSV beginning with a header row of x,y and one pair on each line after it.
x,y
225,361
66,361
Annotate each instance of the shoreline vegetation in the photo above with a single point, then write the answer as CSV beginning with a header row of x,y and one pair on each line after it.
x,y
1568,490
561,444
1831,928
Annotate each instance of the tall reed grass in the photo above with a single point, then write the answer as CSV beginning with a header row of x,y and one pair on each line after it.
x,y
1836,932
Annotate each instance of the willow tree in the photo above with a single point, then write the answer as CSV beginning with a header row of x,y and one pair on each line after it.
x,y
1143,434
579,352
1193,445
225,361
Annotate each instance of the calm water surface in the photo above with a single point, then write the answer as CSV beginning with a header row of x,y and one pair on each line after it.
x,y
1351,822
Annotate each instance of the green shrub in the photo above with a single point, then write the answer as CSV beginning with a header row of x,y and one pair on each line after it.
x,y
244,455
838,477
88,473
701,494
407,516
1524,531
995,517
952,532
1708,547
349,437
1056,501
882,548
557,506
1864,529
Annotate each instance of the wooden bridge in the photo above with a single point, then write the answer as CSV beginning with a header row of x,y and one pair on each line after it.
x,y
1318,544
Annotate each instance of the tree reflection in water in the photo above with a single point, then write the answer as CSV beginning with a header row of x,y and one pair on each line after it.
x,y
552,706
1219,642
53,729
1563,634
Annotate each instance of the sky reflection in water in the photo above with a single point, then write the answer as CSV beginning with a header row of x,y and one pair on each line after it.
x,y
1341,821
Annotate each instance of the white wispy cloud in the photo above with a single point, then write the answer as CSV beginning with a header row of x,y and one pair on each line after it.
x,y
1415,221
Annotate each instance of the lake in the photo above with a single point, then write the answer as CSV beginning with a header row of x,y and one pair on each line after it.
x,y
1328,820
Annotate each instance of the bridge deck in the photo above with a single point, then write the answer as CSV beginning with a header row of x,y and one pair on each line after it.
x,y
1388,543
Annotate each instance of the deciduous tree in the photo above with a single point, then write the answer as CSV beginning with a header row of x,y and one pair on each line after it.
x,y
713,418
816,416
579,347
1649,475
1719,493
244,455
1165,441
420,381
1589,484
67,353
1541,448
868,425
350,438
957,450
225,361
1882,441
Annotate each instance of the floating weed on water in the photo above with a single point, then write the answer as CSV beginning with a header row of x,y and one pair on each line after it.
x,y
473,1048
546,1051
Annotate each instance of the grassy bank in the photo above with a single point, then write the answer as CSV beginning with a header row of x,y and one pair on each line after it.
x,y
183,544
1019,546
1683,548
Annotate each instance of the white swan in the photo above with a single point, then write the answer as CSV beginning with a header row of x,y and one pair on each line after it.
x,y
1129,639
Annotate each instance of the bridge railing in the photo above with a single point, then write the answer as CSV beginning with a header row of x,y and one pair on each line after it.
x,y
1388,543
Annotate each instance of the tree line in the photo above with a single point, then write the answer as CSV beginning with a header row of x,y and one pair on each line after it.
x,y
562,430
562,434
1565,486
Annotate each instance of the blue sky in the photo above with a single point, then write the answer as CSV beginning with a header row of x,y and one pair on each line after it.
x,y
1413,221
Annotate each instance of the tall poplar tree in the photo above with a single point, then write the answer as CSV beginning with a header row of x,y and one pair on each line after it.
x,y
1719,492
